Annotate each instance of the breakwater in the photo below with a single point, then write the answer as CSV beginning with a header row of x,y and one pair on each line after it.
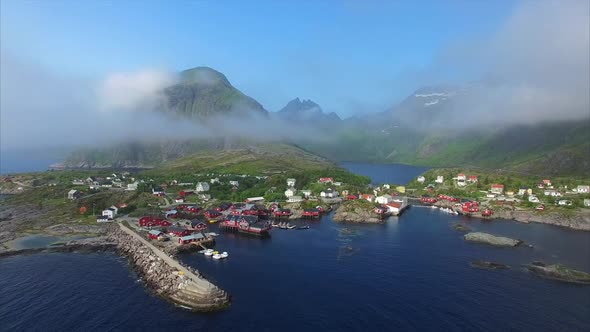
x,y
166,276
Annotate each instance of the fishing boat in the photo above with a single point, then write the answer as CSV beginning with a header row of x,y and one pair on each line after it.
x,y
217,256
224,254
303,227
209,252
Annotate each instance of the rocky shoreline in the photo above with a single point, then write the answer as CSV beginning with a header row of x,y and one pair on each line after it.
x,y
577,220
164,276
356,215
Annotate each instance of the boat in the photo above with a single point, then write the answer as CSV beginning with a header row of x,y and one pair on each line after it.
x,y
224,254
291,226
303,227
217,256
209,252
212,221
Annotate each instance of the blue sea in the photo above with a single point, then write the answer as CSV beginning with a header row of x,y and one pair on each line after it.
x,y
410,273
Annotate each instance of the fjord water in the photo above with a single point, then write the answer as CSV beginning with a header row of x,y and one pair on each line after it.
x,y
411,273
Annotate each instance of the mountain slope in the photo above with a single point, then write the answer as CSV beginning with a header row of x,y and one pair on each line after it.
x,y
204,92
254,159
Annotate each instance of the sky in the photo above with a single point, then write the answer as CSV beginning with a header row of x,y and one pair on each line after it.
x,y
348,56
79,71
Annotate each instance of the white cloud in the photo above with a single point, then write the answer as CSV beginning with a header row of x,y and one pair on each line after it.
x,y
140,90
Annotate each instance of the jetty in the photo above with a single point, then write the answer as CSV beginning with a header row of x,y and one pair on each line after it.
x,y
167,277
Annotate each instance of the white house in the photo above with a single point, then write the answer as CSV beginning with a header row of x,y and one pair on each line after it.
x,y
383,199
421,179
234,183
294,199
583,189
73,194
329,193
386,186
587,202
215,180
440,179
110,213
306,192
461,177
338,184
132,186
552,192
202,186
291,182
158,191
393,208
533,199
565,202
289,192
78,182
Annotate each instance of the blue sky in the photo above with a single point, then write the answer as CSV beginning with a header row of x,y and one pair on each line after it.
x,y
348,56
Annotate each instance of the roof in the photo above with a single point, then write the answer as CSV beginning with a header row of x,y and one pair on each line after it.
x,y
394,204
195,236
155,232
176,229
73,191
497,185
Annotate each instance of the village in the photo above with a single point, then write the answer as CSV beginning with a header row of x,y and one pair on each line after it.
x,y
465,194
184,211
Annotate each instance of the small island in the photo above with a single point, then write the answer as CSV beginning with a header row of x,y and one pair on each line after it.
x,y
485,238
559,272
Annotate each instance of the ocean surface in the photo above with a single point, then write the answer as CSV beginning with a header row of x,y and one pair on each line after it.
x,y
411,273
30,160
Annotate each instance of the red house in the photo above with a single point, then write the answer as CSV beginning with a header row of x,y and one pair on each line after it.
x,y
282,213
326,180
178,231
429,200
154,235
311,213
212,214
470,207
351,197
472,178
487,213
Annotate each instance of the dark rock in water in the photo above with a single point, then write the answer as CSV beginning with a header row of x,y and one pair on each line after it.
x,y
488,265
490,239
559,272
461,228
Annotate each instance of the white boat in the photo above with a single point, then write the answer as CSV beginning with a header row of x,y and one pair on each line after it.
x,y
209,252
224,254
217,256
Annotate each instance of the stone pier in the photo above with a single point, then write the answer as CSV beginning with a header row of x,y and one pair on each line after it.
x,y
166,276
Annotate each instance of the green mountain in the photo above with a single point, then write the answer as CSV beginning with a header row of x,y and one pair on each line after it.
x,y
204,92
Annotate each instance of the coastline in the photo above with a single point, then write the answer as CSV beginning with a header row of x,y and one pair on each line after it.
x,y
579,220
161,273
